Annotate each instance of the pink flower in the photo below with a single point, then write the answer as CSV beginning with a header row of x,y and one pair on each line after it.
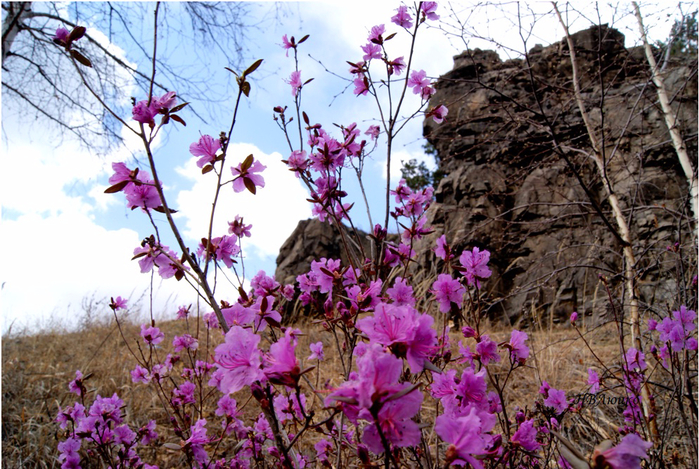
x,y
467,435
438,114
394,419
298,161
238,360
574,317
144,113
593,380
238,228
525,436
401,293
442,250
375,35
557,400
165,101
475,264
238,315
151,335
245,176
418,81
428,9
61,35
144,195
316,351
185,341
373,132
121,173
295,82
488,350
140,375
626,455
361,85
448,290
288,45
396,66
402,18
206,147
519,352
281,365
371,51
76,386
119,303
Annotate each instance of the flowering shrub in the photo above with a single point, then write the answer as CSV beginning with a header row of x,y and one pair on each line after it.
x,y
394,349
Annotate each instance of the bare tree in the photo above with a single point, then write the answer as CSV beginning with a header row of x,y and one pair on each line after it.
x,y
39,83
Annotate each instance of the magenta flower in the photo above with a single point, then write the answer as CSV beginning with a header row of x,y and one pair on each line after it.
x,y
652,324
375,35
439,113
448,290
573,317
119,303
195,443
61,35
245,176
428,10
121,173
373,132
467,435
488,350
238,228
396,66
442,250
144,195
371,51
557,400
475,264
361,85
206,147
626,455
402,18
298,161
288,45
394,419
389,324
281,365
140,375
165,101
151,335
69,457
401,293
316,352
185,341
519,352
144,113
238,360
525,436
418,81
593,380
76,386
295,82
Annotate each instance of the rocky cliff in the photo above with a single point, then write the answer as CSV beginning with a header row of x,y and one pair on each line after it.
x,y
516,153
520,183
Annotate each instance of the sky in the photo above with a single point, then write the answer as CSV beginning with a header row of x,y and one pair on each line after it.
x,y
67,246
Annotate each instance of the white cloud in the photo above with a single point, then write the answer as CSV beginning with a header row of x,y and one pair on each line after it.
x,y
50,264
273,212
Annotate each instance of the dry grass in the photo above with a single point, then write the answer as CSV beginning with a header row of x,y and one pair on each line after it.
x,y
37,368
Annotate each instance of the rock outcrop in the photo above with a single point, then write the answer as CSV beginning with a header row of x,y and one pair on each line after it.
x,y
520,182
511,127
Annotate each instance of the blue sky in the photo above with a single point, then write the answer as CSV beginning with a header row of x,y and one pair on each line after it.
x,y
67,242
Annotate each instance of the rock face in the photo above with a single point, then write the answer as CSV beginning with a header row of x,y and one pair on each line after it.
x,y
516,156
310,241
510,128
